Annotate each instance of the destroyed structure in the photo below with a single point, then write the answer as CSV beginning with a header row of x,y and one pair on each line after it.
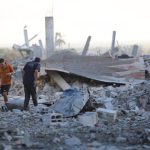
x,y
85,102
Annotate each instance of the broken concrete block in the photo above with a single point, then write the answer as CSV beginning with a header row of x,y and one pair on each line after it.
x,y
108,103
107,114
56,118
71,102
53,118
88,118
15,103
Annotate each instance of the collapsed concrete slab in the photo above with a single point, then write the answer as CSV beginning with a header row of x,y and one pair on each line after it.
x,y
71,102
98,68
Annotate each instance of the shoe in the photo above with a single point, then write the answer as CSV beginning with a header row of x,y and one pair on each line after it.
x,y
4,108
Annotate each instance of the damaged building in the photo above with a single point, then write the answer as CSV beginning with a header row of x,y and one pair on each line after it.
x,y
84,102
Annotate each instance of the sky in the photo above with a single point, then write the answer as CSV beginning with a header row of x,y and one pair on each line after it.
x,y
76,20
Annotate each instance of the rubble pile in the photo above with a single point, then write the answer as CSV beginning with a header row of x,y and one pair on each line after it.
x,y
128,97
113,118
17,88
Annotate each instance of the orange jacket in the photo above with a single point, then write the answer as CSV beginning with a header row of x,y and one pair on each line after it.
x,y
4,77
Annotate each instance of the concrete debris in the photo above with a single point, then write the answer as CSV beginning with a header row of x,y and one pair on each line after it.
x,y
107,114
104,69
72,141
85,116
71,102
52,118
15,102
88,119
59,80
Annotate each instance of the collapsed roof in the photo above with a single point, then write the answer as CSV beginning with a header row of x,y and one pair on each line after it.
x,y
98,68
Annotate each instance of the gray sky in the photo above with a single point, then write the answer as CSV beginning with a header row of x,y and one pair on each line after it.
x,y
76,19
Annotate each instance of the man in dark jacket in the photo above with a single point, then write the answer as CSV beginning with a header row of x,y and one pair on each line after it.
x,y
30,75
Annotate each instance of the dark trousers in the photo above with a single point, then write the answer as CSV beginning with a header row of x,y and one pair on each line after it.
x,y
30,90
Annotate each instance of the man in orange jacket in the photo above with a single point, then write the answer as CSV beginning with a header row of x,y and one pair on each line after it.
x,y
6,71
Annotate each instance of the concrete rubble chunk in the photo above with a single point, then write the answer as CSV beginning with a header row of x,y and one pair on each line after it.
x,y
71,102
110,115
52,118
41,108
59,80
88,119
56,118
15,102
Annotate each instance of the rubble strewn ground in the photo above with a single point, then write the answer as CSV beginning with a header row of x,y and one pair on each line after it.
x,y
35,129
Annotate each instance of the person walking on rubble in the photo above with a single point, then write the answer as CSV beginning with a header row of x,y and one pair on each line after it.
x,y
30,75
6,72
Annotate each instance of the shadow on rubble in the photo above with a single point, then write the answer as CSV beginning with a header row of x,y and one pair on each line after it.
x,y
72,78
